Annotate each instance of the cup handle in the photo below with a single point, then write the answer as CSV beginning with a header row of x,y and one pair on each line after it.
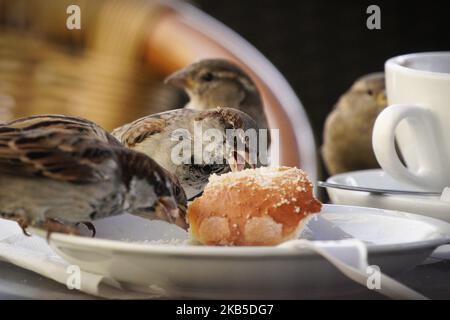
x,y
383,140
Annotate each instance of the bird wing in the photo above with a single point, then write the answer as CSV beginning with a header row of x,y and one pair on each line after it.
x,y
77,125
139,130
59,154
135,132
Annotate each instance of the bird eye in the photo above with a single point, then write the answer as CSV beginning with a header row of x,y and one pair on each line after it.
x,y
208,76
370,92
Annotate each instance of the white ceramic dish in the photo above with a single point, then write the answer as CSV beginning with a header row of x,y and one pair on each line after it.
x,y
430,206
396,241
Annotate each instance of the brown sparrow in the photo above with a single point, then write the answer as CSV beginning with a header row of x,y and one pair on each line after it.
x,y
348,128
212,83
58,171
154,136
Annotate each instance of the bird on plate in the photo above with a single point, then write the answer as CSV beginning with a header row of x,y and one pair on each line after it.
x,y
212,83
57,172
348,128
156,136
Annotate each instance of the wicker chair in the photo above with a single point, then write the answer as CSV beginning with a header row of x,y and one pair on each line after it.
x,y
110,71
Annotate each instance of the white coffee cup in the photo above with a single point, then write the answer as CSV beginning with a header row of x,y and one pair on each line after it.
x,y
418,117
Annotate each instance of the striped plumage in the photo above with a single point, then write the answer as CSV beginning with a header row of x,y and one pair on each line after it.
x,y
52,121
152,135
71,170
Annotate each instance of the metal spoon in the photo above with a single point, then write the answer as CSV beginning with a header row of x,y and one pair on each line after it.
x,y
376,190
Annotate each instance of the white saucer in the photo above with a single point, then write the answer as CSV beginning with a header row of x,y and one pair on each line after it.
x,y
430,206
395,241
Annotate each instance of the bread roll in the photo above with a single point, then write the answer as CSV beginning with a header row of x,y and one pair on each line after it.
x,y
253,207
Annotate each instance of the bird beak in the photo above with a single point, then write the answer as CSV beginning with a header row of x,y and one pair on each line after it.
x,y
168,210
381,98
179,79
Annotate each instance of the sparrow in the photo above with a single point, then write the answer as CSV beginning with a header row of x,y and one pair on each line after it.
x,y
212,83
57,172
348,128
154,136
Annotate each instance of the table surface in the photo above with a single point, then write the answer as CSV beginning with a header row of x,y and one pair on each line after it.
x,y
432,280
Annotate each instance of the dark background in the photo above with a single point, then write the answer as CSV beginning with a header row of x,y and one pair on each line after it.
x,y
322,47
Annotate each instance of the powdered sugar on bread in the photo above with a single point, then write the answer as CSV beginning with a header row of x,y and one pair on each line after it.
x,y
263,206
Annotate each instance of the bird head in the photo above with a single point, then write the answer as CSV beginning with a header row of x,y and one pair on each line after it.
x,y
171,206
234,145
153,192
242,138
371,87
214,83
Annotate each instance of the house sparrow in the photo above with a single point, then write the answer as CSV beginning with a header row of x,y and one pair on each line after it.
x,y
56,172
212,83
348,129
153,135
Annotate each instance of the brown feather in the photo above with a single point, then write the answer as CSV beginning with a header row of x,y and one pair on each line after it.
x,y
74,124
141,129
49,149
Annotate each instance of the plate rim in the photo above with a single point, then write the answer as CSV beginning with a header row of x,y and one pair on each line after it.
x,y
378,171
428,200
115,246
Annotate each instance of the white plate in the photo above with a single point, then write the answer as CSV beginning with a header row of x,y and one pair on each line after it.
x,y
430,206
396,241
